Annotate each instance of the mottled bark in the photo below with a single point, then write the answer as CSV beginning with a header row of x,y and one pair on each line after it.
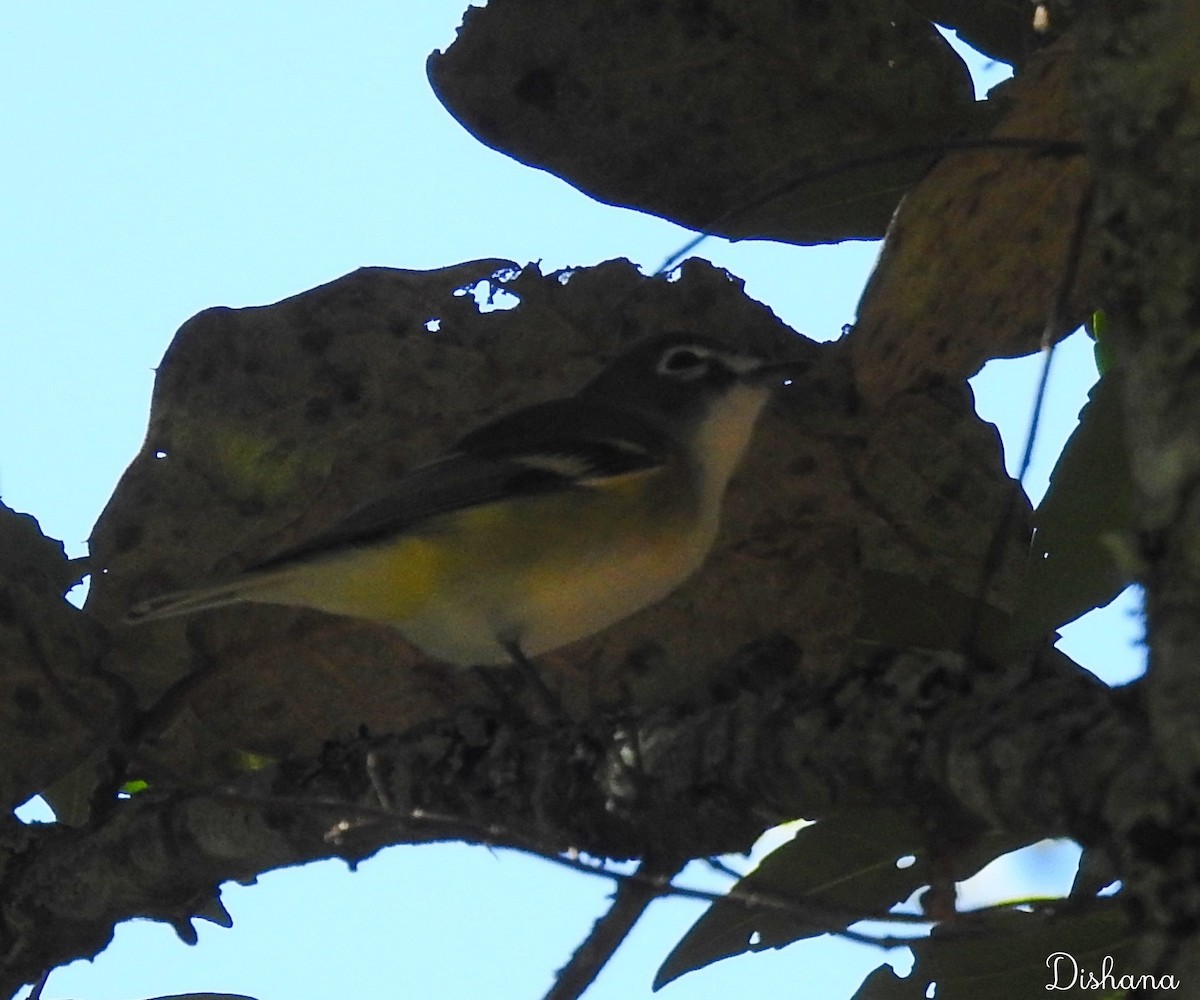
x,y
1139,65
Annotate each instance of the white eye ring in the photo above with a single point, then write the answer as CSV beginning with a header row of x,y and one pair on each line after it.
x,y
685,362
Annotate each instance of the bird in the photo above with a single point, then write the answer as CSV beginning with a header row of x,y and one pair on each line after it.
x,y
541,527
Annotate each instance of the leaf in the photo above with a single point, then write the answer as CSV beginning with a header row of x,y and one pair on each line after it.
x,y
1009,953
35,559
1095,872
911,613
942,300
213,910
204,996
70,796
845,864
997,28
969,859
246,760
1097,329
708,114
54,704
884,984
349,375
1074,567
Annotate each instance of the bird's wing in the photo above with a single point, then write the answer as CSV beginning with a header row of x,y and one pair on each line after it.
x,y
546,448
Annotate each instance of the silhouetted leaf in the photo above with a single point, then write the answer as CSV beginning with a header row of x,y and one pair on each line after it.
x,y
836,871
997,28
70,796
204,996
1088,507
1095,871
54,703
1009,954
710,114
884,984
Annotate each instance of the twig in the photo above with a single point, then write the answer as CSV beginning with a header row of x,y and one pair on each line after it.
x,y
719,866
36,992
377,782
1047,147
632,897
1054,320
496,836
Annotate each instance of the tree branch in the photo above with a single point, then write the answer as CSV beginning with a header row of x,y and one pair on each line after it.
x,y
630,900
1138,66
1037,748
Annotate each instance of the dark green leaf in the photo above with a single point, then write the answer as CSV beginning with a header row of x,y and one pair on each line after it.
x,y
1094,873
1087,510
1008,954
1097,329
837,871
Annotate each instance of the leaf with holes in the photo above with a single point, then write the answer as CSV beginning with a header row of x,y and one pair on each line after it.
x,y
837,871
1009,954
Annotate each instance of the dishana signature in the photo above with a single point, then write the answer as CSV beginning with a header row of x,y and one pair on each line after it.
x,y
1067,974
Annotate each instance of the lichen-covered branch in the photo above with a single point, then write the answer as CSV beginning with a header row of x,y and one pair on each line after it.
x,y
1033,748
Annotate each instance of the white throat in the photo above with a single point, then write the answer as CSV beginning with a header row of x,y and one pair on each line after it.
x,y
722,437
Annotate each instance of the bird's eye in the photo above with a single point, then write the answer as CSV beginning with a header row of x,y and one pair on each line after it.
x,y
683,362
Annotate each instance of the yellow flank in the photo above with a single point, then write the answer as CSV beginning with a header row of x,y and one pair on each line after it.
x,y
385,581
538,570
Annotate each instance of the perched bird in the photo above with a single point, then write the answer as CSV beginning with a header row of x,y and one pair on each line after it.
x,y
541,527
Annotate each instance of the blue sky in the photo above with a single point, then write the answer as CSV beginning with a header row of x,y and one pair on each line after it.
x,y
162,158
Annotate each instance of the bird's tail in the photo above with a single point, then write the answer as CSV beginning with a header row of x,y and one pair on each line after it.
x,y
186,602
